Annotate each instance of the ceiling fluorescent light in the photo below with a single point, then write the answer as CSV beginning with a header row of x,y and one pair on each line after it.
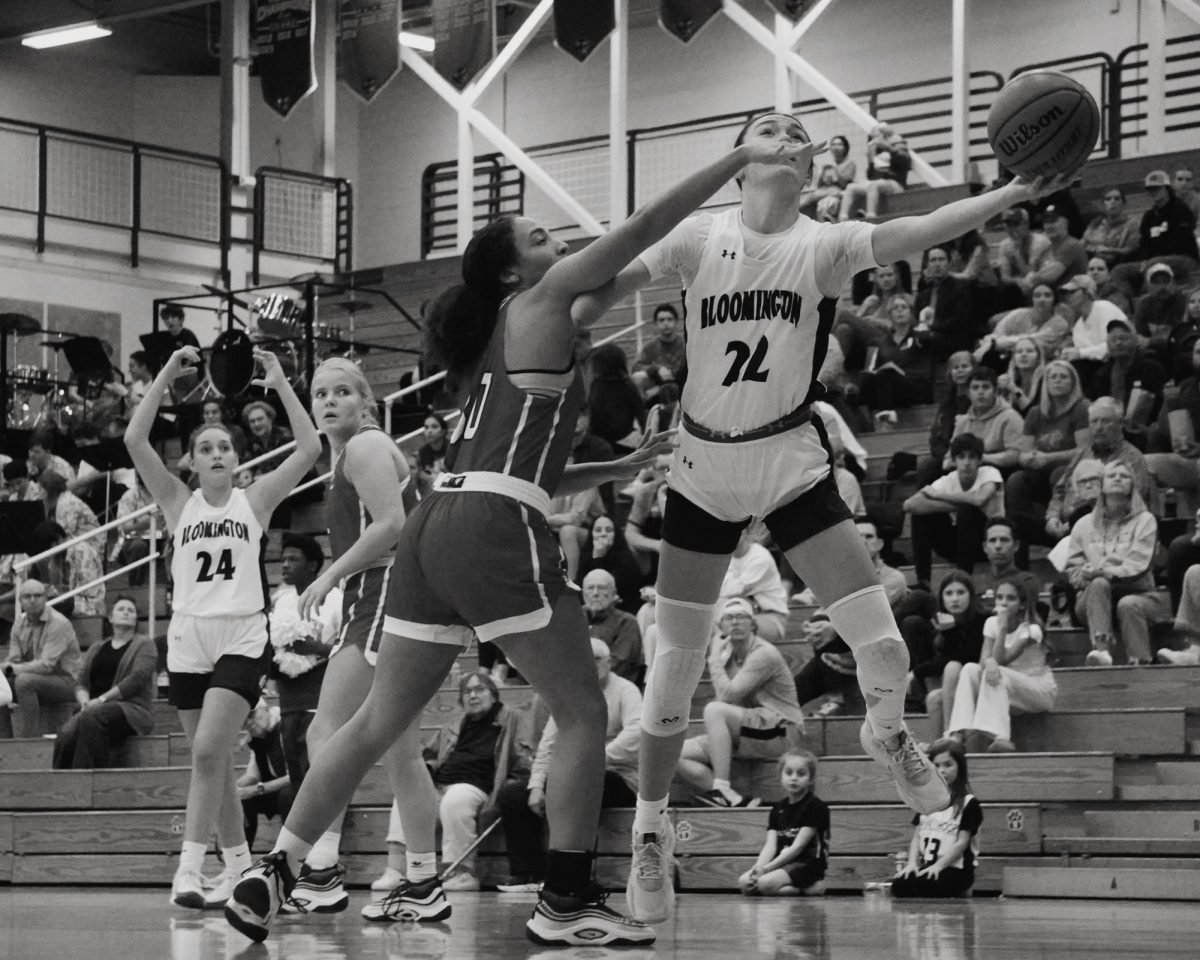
x,y
417,41
64,35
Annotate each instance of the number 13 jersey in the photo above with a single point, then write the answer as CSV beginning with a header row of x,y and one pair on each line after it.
x,y
217,563
759,309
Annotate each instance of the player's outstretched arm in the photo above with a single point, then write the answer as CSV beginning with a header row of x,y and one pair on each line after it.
x,y
907,236
168,491
269,490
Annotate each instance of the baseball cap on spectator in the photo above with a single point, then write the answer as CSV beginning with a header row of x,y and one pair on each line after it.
x,y
1016,215
1117,323
1156,269
1157,178
737,605
1081,281
1052,213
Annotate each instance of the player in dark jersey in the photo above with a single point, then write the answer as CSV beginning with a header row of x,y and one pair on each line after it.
x,y
217,642
479,554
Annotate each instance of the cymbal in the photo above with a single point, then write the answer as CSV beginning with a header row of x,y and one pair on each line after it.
x,y
19,323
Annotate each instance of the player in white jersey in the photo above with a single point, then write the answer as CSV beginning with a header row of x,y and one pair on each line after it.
x,y
217,643
762,286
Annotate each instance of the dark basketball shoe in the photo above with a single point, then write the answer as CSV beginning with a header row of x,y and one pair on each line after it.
x,y
421,902
258,896
583,921
318,891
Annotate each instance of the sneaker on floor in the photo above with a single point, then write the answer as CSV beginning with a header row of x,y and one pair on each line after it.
x,y
583,921
1189,656
520,886
318,891
258,896
187,889
650,891
414,902
463,880
917,780
390,879
1098,658
218,894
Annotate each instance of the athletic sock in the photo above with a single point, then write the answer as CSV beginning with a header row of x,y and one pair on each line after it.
x,y
295,849
237,859
324,853
420,866
648,814
191,856
569,872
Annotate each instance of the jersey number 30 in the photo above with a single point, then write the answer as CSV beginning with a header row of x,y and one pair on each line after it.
x,y
752,370
223,569
469,422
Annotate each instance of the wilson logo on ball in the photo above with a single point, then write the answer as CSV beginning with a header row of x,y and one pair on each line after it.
x,y
1026,132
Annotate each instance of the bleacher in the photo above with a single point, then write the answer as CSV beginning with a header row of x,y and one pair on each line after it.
x,y
1103,799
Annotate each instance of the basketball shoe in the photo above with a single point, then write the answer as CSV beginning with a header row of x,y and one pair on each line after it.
x,y
218,896
318,891
424,901
187,889
585,920
650,892
258,896
917,780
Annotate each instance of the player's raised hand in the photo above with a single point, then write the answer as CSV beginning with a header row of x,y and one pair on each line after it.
x,y
273,376
182,361
759,150
1042,186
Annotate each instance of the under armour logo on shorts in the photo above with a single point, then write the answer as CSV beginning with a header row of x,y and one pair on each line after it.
x,y
731,254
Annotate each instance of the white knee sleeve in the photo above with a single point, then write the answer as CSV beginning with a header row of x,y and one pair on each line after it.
x,y
865,621
683,631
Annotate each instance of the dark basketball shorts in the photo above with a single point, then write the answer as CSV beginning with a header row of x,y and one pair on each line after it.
x,y
474,563
363,600
232,653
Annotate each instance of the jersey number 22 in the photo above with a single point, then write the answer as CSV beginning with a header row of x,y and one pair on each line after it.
x,y
752,370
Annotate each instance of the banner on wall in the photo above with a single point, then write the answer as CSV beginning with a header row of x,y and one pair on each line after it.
x,y
368,44
464,34
283,50
792,9
684,18
580,25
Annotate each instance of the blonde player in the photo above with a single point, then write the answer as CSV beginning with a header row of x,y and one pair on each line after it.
x,y
218,650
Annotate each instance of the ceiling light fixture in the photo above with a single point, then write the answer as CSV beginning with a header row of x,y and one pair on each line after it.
x,y
417,41
61,36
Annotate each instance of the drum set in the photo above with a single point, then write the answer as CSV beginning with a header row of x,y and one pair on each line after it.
x,y
32,396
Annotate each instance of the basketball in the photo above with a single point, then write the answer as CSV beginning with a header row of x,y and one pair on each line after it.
x,y
1043,123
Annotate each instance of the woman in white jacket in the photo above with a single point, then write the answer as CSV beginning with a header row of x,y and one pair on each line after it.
x,y
1109,564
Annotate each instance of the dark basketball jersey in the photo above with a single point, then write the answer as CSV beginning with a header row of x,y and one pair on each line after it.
x,y
348,515
520,423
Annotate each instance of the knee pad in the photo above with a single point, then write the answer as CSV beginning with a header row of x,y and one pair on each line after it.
x,y
679,656
864,620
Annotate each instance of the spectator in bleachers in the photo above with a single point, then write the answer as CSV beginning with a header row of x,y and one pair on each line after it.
x,y
643,526
1107,288
954,404
944,305
1159,311
950,514
940,644
1041,322
824,200
1056,429
1021,384
264,434
1112,236
888,166
570,518
607,550
1090,318
115,694
42,460
886,282
1109,565
1182,554
1183,337
140,377
264,788
755,714
1012,676
589,448
1185,190
473,760
795,854
663,359
1019,252
435,438
301,650
134,541
617,629
1073,495
54,571
971,260
1187,622
44,659
945,845
522,802
753,576
902,374
1065,257
1132,379
1177,431
990,418
1168,228
85,559
1002,549
614,401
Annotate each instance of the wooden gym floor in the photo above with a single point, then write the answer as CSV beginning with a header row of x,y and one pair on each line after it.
x,y
43,923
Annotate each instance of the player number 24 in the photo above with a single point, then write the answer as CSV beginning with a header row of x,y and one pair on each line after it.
x,y
740,369
223,569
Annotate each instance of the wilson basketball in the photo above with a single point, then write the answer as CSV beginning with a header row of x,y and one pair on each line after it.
x,y
1043,123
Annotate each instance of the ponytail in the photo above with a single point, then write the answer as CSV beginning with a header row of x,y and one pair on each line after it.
x,y
460,321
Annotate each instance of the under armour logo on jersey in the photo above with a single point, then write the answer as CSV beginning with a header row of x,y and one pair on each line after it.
x,y
731,254
687,463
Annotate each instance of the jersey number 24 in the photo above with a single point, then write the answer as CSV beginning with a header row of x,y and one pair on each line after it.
x,y
223,568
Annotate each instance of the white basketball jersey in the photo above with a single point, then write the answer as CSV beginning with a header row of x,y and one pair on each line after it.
x,y
758,311
938,830
217,564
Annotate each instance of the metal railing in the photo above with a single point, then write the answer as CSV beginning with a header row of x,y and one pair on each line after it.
x,y
499,189
1182,107
54,173
302,215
